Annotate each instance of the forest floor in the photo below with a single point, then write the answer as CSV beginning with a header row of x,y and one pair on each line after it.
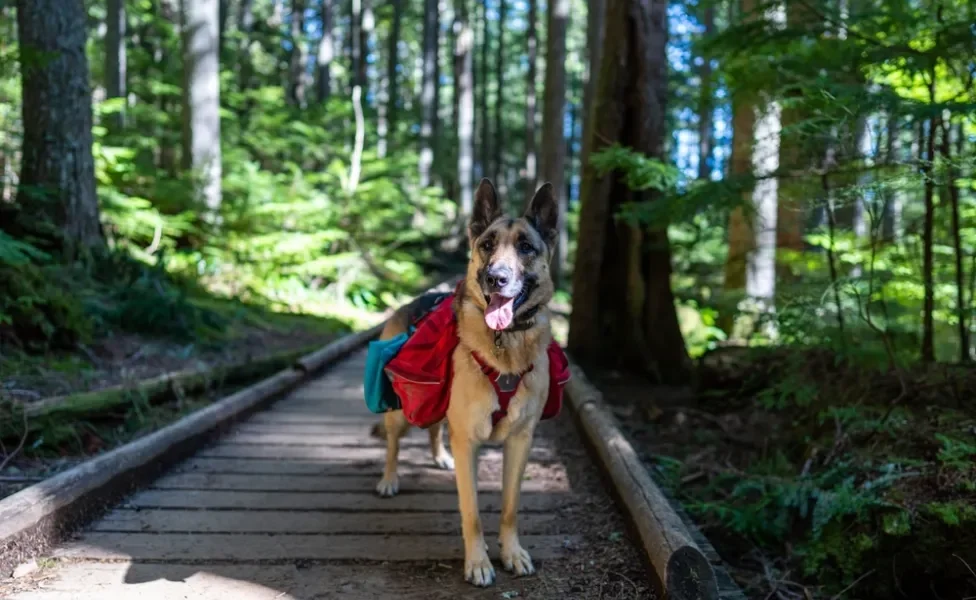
x,y
57,441
813,476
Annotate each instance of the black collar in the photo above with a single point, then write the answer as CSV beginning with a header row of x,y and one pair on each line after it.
x,y
525,322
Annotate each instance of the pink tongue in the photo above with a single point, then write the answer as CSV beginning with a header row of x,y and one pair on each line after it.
x,y
500,312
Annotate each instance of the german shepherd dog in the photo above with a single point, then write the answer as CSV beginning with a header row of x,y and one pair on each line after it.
x,y
503,316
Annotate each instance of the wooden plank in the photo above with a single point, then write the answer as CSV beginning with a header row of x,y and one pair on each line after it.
x,y
340,454
346,438
442,481
372,468
272,417
243,521
322,501
261,547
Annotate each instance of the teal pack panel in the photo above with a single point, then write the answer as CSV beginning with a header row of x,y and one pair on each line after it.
x,y
378,390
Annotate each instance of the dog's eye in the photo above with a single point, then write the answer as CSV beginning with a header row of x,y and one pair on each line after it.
x,y
487,245
526,248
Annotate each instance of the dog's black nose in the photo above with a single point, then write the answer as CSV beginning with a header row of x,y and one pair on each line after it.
x,y
498,277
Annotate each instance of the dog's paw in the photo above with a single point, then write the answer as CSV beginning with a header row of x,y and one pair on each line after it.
x,y
516,559
387,488
444,461
478,571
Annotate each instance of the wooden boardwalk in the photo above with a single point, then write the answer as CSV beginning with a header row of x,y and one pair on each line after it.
x,y
283,506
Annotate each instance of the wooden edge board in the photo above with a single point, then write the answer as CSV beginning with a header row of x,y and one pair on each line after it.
x,y
35,519
681,569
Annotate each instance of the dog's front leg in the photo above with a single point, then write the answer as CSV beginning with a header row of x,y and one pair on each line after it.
x,y
477,565
514,557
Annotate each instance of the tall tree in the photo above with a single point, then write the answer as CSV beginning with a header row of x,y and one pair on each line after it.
x,y
201,99
706,100
623,306
531,160
499,172
115,57
482,92
553,138
245,24
751,261
428,91
57,176
957,247
297,60
464,82
928,234
325,54
799,152
596,16
356,40
393,60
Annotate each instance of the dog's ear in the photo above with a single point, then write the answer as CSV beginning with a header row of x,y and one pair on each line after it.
x,y
486,209
543,214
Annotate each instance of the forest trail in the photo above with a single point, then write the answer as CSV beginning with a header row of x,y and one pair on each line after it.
x,y
283,507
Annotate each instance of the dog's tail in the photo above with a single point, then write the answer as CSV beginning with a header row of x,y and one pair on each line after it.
x,y
378,430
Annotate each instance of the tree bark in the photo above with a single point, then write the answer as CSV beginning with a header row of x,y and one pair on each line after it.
x,y
553,138
464,67
499,102
326,52
57,177
428,91
706,102
201,100
623,306
531,159
297,61
596,15
115,58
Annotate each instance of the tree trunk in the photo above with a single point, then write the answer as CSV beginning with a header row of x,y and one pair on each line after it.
x,y
115,58
57,176
596,15
499,172
428,91
368,26
531,160
751,262
296,75
958,252
553,138
393,90
573,111
438,127
798,154
928,234
245,23
706,102
356,38
201,100
485,152
464,67
893,199
623,306
323,59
